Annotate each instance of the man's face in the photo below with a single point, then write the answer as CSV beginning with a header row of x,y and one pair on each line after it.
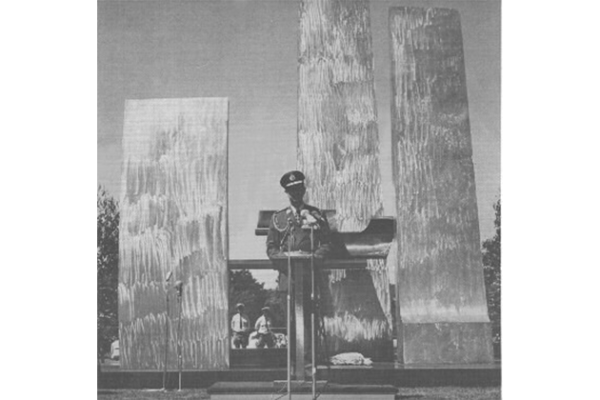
x,y
296,193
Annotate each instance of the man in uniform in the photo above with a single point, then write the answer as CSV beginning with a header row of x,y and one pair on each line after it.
x,y
289,229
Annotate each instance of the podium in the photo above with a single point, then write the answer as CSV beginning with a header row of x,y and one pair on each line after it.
x,y
350,250
297,264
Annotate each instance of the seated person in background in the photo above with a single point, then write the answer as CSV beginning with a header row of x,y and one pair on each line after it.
x,y
240,325
263,329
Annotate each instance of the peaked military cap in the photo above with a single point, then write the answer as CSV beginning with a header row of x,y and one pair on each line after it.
x,y
292,179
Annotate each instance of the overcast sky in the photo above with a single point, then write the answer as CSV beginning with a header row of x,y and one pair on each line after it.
x,y
247,51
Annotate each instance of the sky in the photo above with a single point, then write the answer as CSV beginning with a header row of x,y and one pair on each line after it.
x,y
247,51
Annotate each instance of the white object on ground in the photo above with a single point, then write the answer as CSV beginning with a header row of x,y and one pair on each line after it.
x,y
350,359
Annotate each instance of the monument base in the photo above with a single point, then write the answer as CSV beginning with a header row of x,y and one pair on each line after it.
x,y
447,343
281,385
395,374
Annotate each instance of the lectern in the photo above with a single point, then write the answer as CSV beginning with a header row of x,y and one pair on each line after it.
x,y
349,250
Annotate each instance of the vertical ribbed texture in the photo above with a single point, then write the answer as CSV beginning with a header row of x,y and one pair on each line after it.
x,y
338,150
174,218
440,275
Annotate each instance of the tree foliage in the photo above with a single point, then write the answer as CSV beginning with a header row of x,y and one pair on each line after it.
x,y
492,276
244,288
107,270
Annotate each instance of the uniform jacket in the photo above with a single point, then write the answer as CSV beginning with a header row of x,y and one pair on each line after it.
x,y
286,232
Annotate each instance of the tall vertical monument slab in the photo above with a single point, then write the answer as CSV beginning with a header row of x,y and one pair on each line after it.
x,y
174,218
441,296
338,149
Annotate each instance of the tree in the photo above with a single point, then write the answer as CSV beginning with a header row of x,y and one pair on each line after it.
x,y
277,301
244,288
107,270
492,277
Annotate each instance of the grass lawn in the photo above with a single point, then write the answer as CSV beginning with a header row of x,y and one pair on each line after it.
x,y
441,393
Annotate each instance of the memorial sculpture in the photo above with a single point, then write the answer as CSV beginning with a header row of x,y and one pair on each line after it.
x,y
174,204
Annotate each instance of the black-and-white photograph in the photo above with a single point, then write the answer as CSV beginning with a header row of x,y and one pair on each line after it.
x,y
299,199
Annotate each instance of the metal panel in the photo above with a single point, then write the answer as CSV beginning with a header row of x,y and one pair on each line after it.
x,y
338,150
440,275
174,218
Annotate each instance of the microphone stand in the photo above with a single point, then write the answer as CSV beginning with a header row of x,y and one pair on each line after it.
x,y
312,314
166,341
289,321
179,286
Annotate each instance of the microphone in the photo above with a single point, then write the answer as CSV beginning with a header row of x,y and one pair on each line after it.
x,y
318,216
309,218
168,277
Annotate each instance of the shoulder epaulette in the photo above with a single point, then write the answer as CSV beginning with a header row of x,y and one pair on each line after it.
x,y
281,226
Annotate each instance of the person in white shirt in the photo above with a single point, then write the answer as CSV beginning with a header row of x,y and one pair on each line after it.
x,y
240,325
263,329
